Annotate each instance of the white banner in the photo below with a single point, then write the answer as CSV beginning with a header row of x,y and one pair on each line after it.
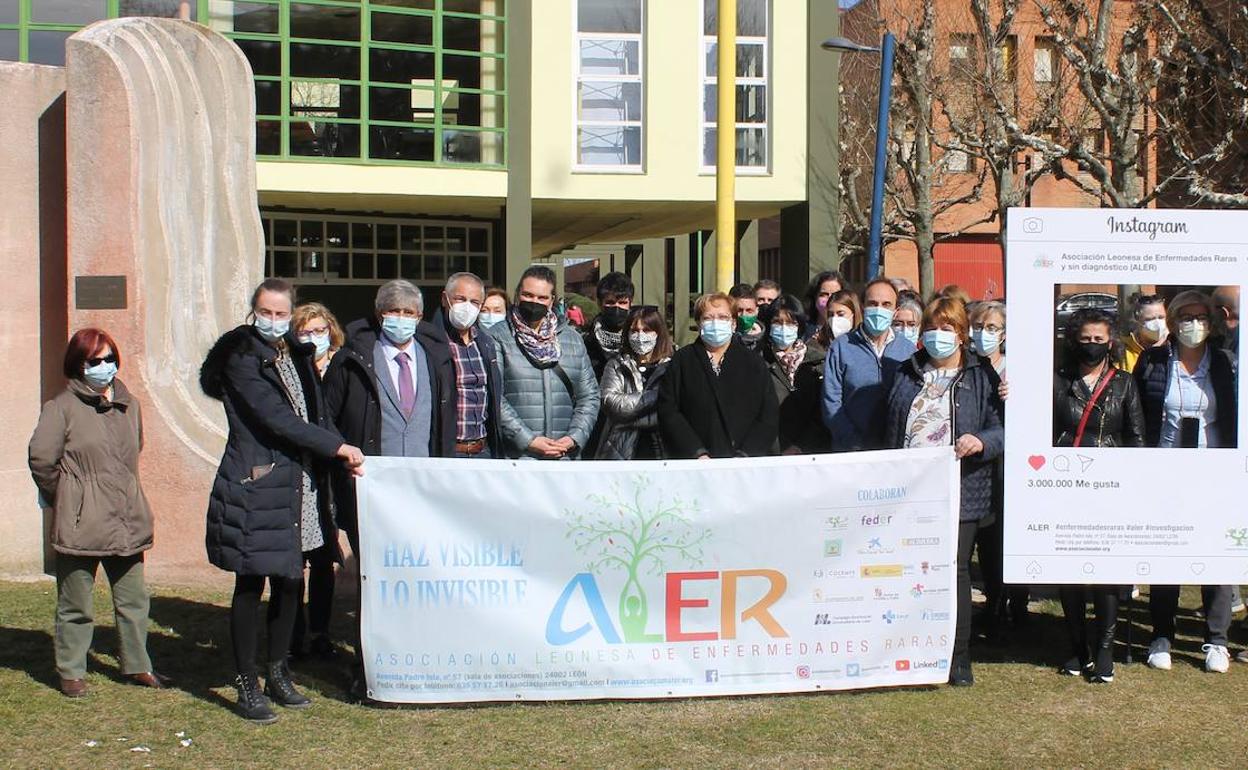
x,y
493,580
1114,515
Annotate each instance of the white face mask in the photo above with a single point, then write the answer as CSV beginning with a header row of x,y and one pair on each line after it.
x,y
839,325
1192,333
643,342
1154,329
462,315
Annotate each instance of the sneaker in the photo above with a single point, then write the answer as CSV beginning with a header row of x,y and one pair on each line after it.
x,y
1159,654
1242,656
1103,671
1217,658
1076,666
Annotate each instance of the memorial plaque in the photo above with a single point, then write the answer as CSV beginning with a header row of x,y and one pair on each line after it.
x,y
100,292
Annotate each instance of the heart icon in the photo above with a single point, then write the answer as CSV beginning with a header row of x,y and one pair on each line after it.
x,y
1198,567
1036,462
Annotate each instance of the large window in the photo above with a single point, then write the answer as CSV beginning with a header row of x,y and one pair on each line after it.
x,y
610,131
360,80
753,71
344,250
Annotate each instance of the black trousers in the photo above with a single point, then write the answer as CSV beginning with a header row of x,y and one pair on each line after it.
x,y
1003,601
244,621
1075,607
313,616
1163,603
967,532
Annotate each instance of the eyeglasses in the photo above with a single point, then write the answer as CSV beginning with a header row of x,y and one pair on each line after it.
x,y
111,358
990,328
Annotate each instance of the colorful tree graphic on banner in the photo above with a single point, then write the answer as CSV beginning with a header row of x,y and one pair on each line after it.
x,y
634,531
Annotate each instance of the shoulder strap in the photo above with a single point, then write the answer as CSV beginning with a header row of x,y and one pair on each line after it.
x,y
1087,409
564,378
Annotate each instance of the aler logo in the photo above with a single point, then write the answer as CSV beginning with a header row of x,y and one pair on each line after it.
x,y
836,523
639,534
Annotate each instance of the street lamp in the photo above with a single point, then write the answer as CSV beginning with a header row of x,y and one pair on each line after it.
x,y
887,46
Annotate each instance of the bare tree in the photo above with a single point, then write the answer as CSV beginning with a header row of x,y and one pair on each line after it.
x,y
1204,109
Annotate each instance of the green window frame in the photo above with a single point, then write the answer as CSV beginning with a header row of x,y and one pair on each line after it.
x,y
317,118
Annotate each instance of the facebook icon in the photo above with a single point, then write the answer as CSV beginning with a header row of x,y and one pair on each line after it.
x,y
712,675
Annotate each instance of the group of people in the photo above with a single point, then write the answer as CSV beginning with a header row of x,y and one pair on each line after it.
x,y
491,375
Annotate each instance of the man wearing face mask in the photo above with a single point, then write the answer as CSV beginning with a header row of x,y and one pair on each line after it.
x,y
604,336
550,394
1148,328
1189,390
478,379
859,372
391,388
745,307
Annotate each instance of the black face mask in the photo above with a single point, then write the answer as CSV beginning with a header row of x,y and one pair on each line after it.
x,y
1091,353
612,318
531,312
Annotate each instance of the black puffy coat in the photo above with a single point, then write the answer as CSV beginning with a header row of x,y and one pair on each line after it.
x,y
977,410
255,511
732,414
1152,379
353,405
1116,419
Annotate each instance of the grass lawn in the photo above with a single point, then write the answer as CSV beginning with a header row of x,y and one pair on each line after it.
x,y
1019,714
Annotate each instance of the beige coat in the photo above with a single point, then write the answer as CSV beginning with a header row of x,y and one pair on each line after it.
x,y
84,457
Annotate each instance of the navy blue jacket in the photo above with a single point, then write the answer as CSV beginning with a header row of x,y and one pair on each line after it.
x,y
855,386
977,410
1152,379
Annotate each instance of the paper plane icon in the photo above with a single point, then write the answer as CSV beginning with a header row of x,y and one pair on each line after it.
x,y
1084,462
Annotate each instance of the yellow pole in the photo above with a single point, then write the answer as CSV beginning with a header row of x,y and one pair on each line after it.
x,y
726,158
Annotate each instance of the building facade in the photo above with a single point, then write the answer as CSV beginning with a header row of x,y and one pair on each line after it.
x,y
418,138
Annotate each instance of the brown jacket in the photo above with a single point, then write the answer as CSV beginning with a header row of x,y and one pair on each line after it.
x,y
85,460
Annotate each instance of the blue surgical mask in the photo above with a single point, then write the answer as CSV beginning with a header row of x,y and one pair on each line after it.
x,y
876,320
271,328
909,333
985,342
100,377
783,336
321,341
939,343
398,328
485,320
716,332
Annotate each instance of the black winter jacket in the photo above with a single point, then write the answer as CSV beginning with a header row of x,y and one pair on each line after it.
x,y
732,414
800,420
1116,420
1152,379
977,410
255,510
352,401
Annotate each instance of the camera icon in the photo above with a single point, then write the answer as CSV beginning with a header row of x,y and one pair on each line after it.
x,y
1033,225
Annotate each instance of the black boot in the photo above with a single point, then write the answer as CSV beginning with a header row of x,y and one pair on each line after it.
x,y
277,685
960,671
252,705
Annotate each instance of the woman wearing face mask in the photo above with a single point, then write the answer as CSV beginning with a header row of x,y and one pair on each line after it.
x,y
314,325
842,315
796,368
1148,328
1188,388
267,506
494,309
908,318
630,390
1095,404
946,396
715,400
818,293
84,456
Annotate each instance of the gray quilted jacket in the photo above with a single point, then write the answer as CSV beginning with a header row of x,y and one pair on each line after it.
x,y
536,402
629,404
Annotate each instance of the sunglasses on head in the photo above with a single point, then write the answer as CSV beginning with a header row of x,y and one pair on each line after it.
x,y
111,358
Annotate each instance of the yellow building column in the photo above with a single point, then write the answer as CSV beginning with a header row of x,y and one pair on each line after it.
x,y
726,159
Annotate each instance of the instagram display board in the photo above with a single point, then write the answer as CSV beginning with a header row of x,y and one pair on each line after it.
x,y
1115,515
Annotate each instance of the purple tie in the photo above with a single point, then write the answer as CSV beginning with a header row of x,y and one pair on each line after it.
x,y
407,394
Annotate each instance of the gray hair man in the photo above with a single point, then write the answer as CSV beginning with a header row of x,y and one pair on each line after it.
x,y
478,379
